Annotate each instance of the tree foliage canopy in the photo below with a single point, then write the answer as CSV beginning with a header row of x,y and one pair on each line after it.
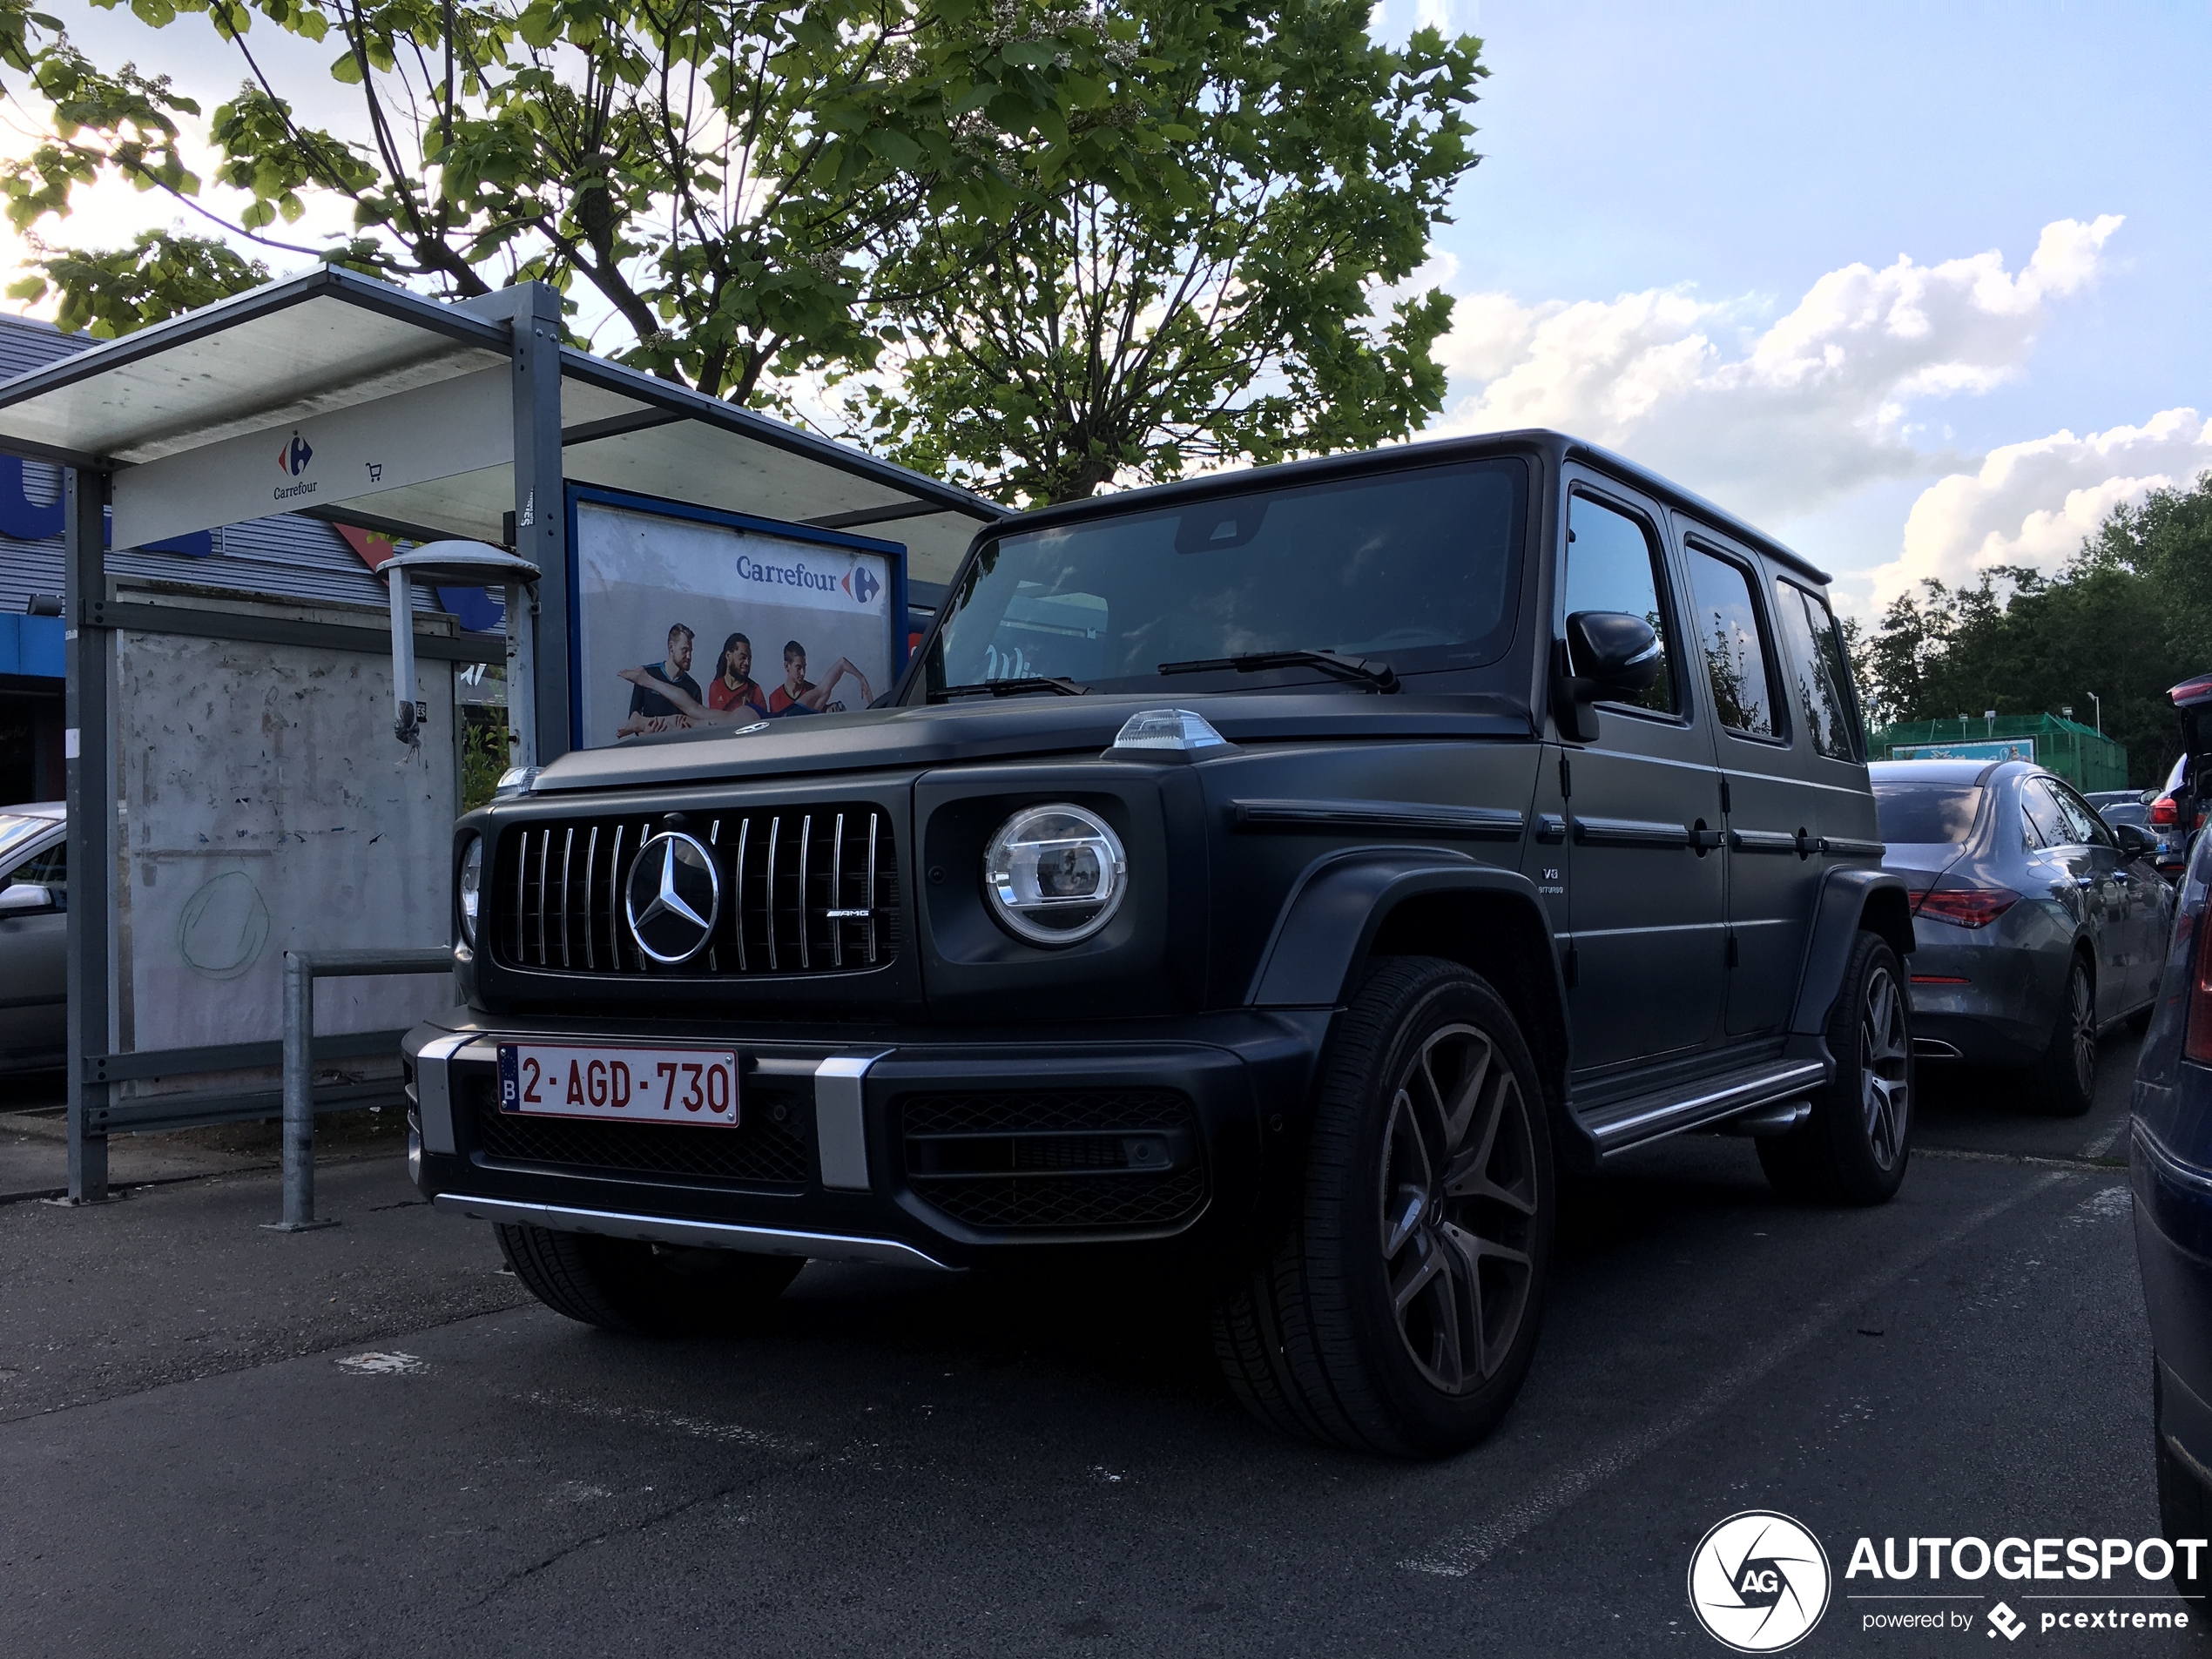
x,y
737,182
1224,315
2128,617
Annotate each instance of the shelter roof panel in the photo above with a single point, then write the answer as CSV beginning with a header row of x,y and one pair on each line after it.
x,y
282,352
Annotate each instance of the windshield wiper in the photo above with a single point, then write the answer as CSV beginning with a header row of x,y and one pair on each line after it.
x,y
1060,685
1381,676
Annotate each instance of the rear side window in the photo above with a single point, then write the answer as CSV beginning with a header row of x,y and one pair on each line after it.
x,y
1925,814
1817,665
1613,564
1728,631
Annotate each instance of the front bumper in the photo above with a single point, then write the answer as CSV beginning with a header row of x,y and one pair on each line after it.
x,y
839,1169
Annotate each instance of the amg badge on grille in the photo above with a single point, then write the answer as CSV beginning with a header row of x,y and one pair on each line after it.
x,y
673,896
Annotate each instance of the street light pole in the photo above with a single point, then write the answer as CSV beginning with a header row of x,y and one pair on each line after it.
x,y
2100,702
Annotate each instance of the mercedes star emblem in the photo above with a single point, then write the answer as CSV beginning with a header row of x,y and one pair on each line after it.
x,y
672,898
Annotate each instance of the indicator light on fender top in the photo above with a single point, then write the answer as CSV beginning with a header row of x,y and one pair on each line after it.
x,y
1168,729
1966,906
1055,876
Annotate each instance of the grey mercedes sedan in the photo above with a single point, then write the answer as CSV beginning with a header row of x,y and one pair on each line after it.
x,y
2036,925
34,936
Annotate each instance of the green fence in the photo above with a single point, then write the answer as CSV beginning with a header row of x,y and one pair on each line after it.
x,y
2085,758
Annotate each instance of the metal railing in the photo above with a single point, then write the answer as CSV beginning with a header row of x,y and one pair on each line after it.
x,y
301,969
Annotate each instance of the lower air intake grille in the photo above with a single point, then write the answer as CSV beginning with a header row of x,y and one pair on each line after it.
x,y
759,1152
1061,1161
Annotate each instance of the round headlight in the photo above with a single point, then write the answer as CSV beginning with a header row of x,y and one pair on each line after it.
x,y
468,887
1055,875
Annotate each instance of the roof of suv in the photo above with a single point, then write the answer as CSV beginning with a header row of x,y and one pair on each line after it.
x,y
1557,446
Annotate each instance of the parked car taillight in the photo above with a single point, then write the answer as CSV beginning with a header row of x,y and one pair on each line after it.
x,y
2164,813
2196,1035
1968,907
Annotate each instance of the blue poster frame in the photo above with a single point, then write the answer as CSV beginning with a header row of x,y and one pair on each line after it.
x,y
634,501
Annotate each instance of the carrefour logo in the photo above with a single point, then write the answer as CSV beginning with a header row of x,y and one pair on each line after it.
x,y
859,584
294,456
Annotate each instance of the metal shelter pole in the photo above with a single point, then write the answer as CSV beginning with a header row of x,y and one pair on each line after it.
x,y
542,509
88,665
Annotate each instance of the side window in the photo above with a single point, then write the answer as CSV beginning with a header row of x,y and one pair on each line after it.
x,y
1613,564
2088,828
2031,838
2043,812
1727,628
1817,665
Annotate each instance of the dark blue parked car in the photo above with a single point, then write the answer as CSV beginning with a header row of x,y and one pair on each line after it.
x,y
2171,1158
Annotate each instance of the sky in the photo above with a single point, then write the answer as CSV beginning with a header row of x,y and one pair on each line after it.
x,y
1918,288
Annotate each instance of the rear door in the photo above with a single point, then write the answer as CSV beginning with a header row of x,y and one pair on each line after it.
x,y
1773,813
2085,850
1645,888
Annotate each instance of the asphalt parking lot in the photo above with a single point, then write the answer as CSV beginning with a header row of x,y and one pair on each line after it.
x,y
218,1439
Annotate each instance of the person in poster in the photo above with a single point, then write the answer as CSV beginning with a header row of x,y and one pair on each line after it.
x,y
733,686
648,704
798,695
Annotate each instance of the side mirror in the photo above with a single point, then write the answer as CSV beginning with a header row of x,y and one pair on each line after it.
x,y
24,897
2133,842
1610,654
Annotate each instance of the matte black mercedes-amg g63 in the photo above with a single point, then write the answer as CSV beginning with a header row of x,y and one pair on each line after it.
x,y
1287,873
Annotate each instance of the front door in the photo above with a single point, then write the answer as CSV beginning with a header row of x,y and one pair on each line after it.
x,y
1642,802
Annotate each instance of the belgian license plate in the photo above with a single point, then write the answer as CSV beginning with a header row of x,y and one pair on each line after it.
x,y
631,1085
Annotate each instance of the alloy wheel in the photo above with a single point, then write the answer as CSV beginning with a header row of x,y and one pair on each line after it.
x,y
2082,1018
1459,1208
1886,1082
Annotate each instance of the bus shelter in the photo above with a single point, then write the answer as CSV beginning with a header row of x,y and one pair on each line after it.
x,y
338,397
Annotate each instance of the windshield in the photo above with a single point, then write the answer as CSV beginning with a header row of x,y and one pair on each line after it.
x,y
16,831
1912,814
1418,570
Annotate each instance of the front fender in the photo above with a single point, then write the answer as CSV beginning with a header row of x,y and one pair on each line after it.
x,y
1850,899
1326,926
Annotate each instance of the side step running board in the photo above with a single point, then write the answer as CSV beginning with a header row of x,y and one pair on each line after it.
x,y
1621,1124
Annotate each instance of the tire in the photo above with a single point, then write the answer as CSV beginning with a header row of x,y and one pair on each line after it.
x,y
2184,1509
1430,1168
2063,1083
1855,1147
646,1290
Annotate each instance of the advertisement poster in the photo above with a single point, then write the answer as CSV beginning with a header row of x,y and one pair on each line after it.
x,y
1967,749
688,618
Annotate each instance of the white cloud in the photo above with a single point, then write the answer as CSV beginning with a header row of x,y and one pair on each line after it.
x,y
1780,423
2033,503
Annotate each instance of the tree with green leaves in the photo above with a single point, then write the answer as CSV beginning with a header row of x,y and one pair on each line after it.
x,y
2129,616
736,187
1226,314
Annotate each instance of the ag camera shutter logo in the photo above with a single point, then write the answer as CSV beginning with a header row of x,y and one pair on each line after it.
x,y
1758,1581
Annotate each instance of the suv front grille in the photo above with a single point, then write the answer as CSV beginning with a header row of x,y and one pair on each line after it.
x,y
804,890
763,1150
1061,1161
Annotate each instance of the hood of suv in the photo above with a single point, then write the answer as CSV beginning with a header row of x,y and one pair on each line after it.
x,y
998,729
